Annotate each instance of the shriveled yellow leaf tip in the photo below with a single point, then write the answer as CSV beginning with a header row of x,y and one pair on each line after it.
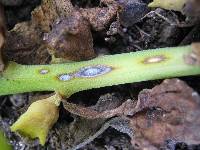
x,y
38,119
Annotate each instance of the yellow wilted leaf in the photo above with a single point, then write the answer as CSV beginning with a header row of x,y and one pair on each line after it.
x,y
176,5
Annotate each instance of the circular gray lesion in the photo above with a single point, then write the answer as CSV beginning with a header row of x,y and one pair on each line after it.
x,y
93,71
44,71
64,77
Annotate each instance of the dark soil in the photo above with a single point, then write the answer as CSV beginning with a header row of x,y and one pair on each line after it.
x,y
150,32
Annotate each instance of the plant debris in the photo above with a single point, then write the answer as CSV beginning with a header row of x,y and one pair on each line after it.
x,y
163,117
168,111
71,38
11,2
176,5
84,130
90,113
23,44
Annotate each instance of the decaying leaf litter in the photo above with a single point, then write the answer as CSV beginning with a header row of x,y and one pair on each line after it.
x,y
52,36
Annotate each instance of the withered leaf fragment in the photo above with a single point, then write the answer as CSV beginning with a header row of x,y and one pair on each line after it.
x,y
170,110
71,38
2,35
107,106
90,113
84,130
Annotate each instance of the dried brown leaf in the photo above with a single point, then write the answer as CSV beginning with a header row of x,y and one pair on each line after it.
x,y
71,38
82,130
66,30
90,113
168,111
111,109
23,44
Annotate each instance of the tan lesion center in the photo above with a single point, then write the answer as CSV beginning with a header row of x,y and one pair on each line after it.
x,y
154,59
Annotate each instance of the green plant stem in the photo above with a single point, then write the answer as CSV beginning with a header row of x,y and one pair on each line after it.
x,y
126,68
